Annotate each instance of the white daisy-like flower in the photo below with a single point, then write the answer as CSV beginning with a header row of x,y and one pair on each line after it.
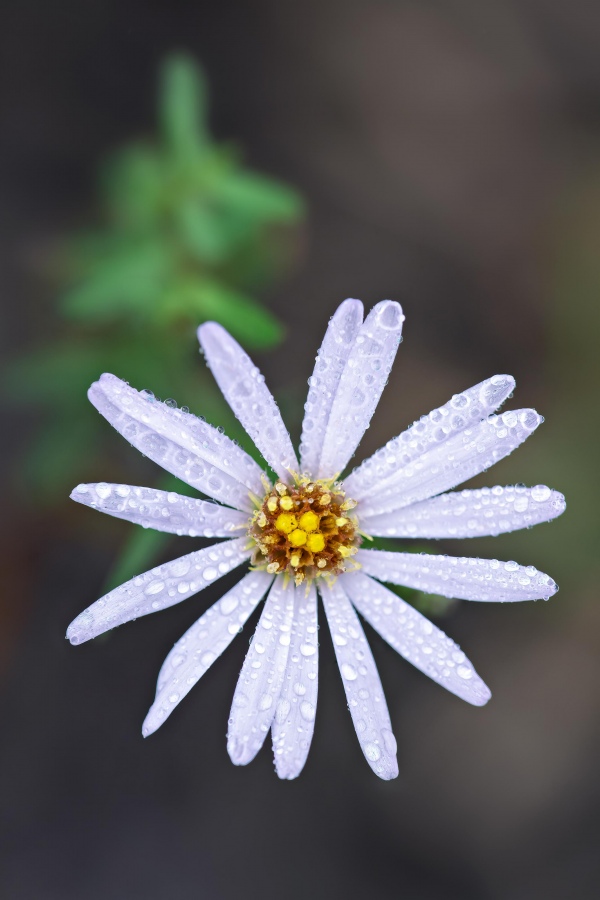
x,y
306,534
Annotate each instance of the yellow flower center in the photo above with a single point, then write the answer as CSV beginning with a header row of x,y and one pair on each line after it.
x,y
305,530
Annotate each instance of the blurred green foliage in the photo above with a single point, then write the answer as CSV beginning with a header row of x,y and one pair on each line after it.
x,y
188,234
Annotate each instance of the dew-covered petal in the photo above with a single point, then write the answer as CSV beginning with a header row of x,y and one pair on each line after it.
x,y
461,457
363,380
331,360
461,411
159,588
487,511
364,692
181,443
416,638
294,720
459,577
245,390
259,685
161,510
202,644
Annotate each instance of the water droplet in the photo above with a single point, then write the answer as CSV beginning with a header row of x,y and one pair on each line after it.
x,y
372,751
155,587
349,672
540,493
307,711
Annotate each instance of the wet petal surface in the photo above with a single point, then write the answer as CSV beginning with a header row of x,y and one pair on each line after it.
x,y
294,720
259,685
364,377
245,390
366,700
487,511
416,638
158,589
202,644
460,577
182,444
333,354
161,510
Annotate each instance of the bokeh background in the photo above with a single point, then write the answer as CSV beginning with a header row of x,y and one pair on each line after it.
x,y
443,154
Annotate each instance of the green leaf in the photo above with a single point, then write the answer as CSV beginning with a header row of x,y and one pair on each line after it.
x,y
123,284
200,232
250,323
183,106
261,199
133,185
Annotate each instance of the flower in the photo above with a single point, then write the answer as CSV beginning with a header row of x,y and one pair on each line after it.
x,y
305,534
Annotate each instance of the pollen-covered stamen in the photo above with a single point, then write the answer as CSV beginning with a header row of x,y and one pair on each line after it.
x,y
305,529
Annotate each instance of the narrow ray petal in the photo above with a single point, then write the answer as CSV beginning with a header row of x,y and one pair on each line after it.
x,y
364,378
245,390
461,411
364,692
157,589
488,511
460,577
161,510
202,644
259,685
456,460
416,638
331,360
179,442
294,720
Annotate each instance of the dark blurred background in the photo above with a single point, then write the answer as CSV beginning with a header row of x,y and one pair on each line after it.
x,y
447,154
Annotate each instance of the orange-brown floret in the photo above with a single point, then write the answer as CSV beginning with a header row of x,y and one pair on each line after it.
x,y
305,530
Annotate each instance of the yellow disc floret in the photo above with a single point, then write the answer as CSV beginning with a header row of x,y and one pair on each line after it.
x,y
305,530
286,522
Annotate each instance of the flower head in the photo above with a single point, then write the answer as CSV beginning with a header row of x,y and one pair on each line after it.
x,y
305,534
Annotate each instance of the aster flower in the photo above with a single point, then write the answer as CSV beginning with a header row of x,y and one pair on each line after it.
x,y
307,534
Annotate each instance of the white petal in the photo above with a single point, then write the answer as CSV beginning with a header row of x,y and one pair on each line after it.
x,y
329,366
161,510
460,577
294,720
461,411
159,588
363,688
261,678
416,638
470,513
202,644
459,458
179,442
363,379
245,390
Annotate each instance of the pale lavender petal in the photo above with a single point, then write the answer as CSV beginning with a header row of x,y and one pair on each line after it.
x,y
259,685
161,510
294,720
245,390
364,378
461,411
487,511
331,360
460,577
159,588
416,638
202,644
456,460
179,442
364,692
